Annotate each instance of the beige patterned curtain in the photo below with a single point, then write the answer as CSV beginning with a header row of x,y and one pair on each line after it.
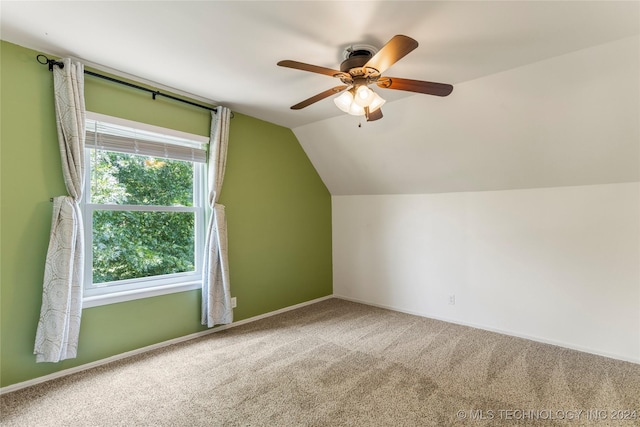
x,y
59,325
216,293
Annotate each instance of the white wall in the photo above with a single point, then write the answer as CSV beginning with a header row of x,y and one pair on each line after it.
x,y
555,255
559,265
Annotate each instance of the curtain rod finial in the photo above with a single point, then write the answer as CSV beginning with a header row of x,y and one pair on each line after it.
x,y
51,62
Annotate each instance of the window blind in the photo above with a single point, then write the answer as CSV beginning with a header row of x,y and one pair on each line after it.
x,y
124,139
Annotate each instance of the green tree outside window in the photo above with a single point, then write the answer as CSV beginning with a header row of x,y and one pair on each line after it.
x,y
131,244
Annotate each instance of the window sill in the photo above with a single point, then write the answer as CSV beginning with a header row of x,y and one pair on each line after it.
x,y
116,297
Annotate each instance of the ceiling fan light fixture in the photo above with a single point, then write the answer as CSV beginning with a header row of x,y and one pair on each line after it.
x,y
355,100
364,96
356,110
376,102
344,101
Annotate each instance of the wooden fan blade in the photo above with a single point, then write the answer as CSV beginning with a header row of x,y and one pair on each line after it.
x,y
312,68
419,86
392,52
376,115
319,97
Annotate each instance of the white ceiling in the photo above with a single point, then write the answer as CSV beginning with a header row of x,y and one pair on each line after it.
x,y
226,52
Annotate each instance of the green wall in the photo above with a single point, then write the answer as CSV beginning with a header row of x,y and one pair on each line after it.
x,y
278,215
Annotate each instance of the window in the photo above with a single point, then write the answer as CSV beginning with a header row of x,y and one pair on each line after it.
x,y
143,210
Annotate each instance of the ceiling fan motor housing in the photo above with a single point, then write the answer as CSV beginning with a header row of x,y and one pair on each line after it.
x,y
356,59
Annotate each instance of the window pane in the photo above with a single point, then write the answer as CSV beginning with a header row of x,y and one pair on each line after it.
x,y
134,244
119,178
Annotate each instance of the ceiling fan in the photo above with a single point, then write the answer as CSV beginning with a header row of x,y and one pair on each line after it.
x,y
363,66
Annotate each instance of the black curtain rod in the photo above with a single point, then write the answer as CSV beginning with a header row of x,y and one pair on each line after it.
x,y
154,93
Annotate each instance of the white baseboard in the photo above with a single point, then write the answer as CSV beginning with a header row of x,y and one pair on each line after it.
x,y
86,366
499,331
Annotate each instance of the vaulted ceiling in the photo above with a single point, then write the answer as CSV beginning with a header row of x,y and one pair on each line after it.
x,y
546,92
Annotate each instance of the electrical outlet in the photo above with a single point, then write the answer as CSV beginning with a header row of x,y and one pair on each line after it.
x,y
234,302
452,299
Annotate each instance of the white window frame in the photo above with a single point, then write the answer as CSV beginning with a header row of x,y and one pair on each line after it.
x,y
145,287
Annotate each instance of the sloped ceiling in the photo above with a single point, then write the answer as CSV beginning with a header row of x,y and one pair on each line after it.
x,y
520,115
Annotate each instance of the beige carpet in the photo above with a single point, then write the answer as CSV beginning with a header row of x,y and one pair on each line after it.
x,y
337,363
